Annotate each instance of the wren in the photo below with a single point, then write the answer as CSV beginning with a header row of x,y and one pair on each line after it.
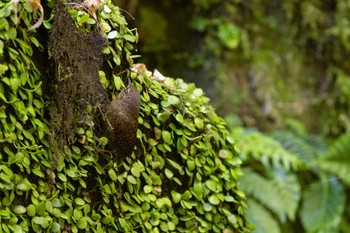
x,y
122,121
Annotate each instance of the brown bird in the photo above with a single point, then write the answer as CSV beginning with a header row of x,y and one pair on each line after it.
x,y
122,121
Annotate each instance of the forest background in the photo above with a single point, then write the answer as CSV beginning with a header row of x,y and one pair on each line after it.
x,y
278,71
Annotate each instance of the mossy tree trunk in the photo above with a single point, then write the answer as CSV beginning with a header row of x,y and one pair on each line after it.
x,y
57,170
77,56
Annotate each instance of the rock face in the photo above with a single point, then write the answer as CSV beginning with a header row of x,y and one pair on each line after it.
x,y
122,121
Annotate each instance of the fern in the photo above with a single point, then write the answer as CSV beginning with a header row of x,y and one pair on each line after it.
x,y
255,145
261,218
336,160
306,148
280,193
323,206
317,143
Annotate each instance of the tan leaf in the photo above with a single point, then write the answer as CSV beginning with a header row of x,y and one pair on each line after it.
x,y
37,5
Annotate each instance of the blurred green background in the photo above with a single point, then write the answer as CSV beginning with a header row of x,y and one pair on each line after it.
x,y
278,72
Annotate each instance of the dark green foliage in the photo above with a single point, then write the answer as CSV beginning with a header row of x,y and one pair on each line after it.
x,y
323,206
336,160
308,197
280,186
300,146
181,177
267,62
262,218
188,135
265,150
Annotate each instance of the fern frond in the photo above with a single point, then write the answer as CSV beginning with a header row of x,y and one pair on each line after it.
x,y
297,145
261,218
280,193
255,145
317,143
336,160
323,206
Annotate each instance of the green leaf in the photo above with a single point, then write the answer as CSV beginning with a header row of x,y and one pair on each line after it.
x,y
105,27
77,214
148,225
6,178
214,200
224,154
76,149
4,25
118,83
79,201
232,219
298,145
323,205
12,34
147,189
229,35
130,38
179,118
35,41
198,92
207,207
31,210
41,208
55,227
62,177
56,202
82,223
212,185
136,169
187,204
199,123
15,83
90,21
282,187
168,173
16,228
164,116
131,179
191,165
336,159
268,150
261,218
122,222
103,141
166,135
173,100
112,175
80,131
112,34
19,209
197,190
83,19
176,196
174,164
40,221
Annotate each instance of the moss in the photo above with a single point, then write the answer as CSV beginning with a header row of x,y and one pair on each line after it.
x,y
77,56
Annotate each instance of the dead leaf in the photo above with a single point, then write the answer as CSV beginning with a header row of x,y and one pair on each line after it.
x,y
158,76
15,3
92,6
139,68
37,5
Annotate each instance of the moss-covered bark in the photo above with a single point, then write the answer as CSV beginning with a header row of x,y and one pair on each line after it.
x,y
77,56
57,171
